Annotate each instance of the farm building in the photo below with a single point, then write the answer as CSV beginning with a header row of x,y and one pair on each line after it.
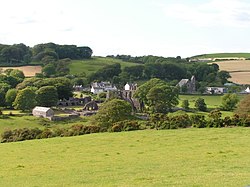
x,y
42,112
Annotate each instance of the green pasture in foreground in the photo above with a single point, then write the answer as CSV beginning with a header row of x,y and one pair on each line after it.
x,y
223,55
92,65
187,157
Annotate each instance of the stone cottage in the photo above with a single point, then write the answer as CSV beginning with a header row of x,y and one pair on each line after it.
x,y
187,85
43,112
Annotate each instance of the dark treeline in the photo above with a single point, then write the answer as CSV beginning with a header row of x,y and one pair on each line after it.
x,y
148,59
22,54
168,69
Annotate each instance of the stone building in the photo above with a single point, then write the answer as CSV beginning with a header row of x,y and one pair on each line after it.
x,y
43,112
188,86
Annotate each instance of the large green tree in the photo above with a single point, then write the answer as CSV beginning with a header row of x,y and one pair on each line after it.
x,y
113,111
143,90
49,70
162,98
25,99
229,101
10,97
243,108
47,96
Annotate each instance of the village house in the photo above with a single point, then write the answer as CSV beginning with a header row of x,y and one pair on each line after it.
x,y
43,112
188,86
216,90
98,87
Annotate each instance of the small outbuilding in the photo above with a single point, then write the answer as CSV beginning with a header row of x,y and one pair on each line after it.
x,y
42,112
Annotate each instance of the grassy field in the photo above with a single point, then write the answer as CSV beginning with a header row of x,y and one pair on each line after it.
x,y
238,69
188,157
16,122
29,71
223,55
94,64
212,101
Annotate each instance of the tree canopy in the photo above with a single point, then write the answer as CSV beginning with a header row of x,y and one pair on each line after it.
x,y
47,96
25,99
113,111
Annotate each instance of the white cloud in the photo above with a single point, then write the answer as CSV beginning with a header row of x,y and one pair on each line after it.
x,y
232,13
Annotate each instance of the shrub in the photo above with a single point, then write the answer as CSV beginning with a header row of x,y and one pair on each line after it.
x,y
47,133
185,104
201,105
215,119
198,121
180,121
125,125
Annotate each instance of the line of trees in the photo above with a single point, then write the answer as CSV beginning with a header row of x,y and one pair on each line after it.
x,y
44,53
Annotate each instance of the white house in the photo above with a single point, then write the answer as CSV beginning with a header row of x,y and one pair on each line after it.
x,y
128,87
216,90
42,112
98,87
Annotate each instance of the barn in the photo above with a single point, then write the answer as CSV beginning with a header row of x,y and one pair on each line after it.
x,y
42,112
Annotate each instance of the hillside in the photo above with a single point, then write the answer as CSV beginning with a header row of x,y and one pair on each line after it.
x,y
188,157
223,55
92,65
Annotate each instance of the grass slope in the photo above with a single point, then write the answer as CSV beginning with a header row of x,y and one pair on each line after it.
x,y
223,55
94,64
188,157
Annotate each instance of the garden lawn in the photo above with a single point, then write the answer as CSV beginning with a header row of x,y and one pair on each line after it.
x,y
187,157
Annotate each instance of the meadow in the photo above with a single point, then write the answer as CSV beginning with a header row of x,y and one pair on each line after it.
x,y
224,55
92,65
238,69
186,157
29,71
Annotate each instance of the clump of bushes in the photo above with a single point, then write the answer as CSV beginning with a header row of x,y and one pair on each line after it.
x,y
125,125
161,121
29,134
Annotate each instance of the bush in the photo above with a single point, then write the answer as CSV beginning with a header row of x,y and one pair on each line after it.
x,y
198,121
125,125
201,105
82,129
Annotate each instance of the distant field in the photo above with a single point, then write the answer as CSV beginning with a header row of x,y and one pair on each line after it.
x,y
239,70
94,64
184,157
29,71
212,101
223,55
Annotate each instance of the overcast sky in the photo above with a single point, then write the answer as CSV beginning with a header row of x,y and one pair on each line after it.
x,y
135,27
